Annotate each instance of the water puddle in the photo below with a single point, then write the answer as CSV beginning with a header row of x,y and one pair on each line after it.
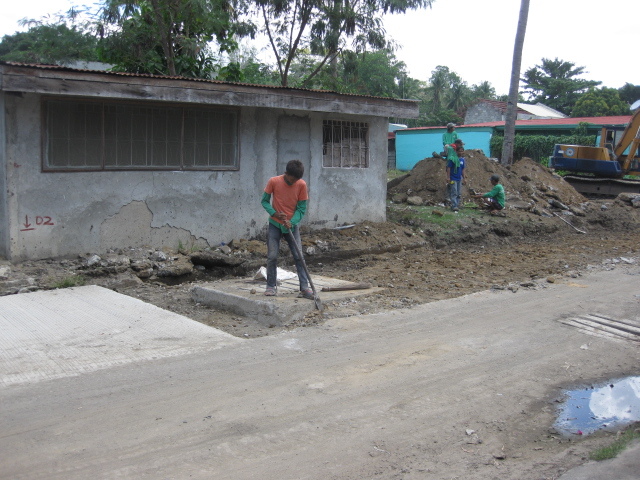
x,y
610,405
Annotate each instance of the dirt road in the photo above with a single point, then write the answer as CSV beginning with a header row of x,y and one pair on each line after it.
x,y
460,388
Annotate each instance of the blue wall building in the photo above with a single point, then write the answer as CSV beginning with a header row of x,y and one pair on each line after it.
x,y
415,144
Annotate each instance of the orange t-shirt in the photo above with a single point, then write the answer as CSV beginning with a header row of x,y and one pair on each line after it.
x,y
284,198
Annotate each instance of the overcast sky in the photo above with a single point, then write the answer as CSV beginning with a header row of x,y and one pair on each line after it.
x,y
474,38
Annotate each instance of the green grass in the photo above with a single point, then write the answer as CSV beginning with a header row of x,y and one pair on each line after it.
x,y
612,451
192,248
72,281
441,217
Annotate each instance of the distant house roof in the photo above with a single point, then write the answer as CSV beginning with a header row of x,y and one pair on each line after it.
x,y
498,105
396,126
541,110
539,123
557,122
538,109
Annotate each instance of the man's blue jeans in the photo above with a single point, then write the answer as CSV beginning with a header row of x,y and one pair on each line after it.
x,y
273,245
455,192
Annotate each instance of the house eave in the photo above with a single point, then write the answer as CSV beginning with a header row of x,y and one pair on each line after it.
x,y
85,83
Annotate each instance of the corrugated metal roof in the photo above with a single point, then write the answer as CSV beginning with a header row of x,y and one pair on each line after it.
x,y
555,122
540,122
541,111
201,80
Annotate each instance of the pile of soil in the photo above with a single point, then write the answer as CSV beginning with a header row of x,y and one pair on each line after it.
x,y
528,185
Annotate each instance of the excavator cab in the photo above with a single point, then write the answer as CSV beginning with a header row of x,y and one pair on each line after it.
x,y
615,156
608,140
580,158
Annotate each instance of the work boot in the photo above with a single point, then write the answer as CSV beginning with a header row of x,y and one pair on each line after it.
x,y
306,293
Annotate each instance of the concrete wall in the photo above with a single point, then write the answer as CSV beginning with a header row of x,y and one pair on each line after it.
x,y
484,112
415,145
4,230
68,213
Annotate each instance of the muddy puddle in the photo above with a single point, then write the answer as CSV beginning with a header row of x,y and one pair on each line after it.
x,y
600,407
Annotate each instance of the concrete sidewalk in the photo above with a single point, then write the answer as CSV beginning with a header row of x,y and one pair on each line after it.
x,y
61,333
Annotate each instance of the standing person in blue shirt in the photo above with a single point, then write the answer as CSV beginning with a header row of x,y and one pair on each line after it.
x,y
455,176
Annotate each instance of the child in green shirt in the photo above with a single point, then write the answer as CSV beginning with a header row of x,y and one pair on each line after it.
x,y
493,200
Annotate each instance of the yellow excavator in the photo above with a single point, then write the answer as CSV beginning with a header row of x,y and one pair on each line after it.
x,y
611,159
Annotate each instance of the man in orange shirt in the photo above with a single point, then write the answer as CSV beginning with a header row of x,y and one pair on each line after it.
x,y
286,209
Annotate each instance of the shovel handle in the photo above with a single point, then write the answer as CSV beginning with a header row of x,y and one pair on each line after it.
x,y
304,266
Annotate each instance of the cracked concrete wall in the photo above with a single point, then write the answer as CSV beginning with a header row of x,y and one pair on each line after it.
x,y
53,214
4,218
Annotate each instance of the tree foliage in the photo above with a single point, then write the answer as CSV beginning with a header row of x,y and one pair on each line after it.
x,y
537,147
377,73
49,44
554,83
600,103
325,28
483,90
169,36
441,85
444,98
250,68
629,93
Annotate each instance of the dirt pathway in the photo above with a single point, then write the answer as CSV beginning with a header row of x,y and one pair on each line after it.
x,y
462,388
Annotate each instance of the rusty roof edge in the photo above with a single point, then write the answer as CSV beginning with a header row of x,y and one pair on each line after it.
x,y
538,123
200,80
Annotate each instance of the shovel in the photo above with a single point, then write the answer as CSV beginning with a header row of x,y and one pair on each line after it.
x,y
316,299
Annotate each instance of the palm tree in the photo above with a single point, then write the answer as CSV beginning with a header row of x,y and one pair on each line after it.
x,y
510,120
483,90
459,97
439,83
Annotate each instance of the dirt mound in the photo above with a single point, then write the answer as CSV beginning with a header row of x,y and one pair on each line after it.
x,y
527,184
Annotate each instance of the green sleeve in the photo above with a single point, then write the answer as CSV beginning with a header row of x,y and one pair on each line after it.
x,y
492,193
266,203
301,209
497,192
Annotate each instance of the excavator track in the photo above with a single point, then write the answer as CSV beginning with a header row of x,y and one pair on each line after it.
x,y
605,187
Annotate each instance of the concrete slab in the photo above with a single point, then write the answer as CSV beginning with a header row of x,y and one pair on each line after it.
x,y
61,333
246,297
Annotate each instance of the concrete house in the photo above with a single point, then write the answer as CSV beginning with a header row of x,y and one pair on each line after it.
x,y
493,110
94,160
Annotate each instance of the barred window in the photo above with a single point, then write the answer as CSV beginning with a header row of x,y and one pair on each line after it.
x,y
345,144
85,135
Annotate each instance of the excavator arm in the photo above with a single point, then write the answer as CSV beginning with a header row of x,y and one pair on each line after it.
x,y
630,139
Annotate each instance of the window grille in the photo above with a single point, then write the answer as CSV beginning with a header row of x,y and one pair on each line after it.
x,y
345,144
84,135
